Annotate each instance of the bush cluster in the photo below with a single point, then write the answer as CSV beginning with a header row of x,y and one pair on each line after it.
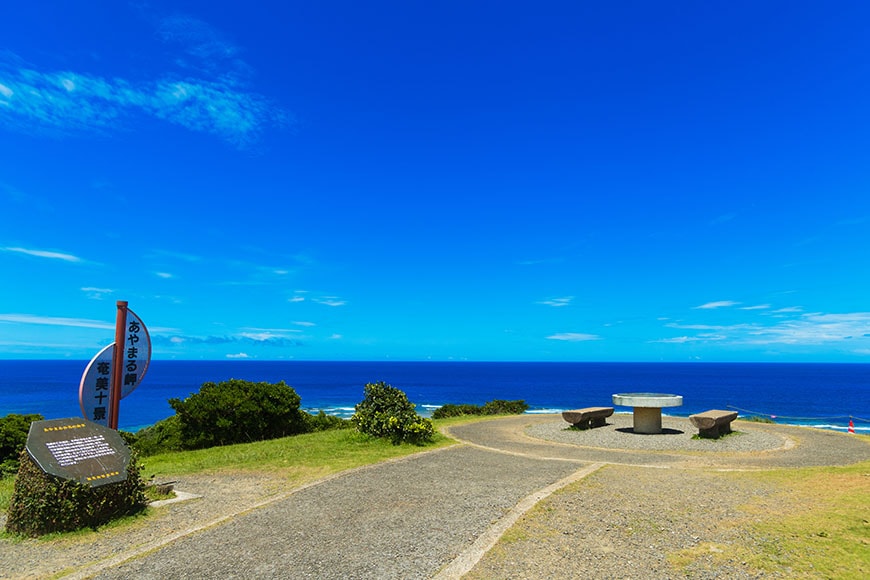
x,y
386,412
494,407
42,503
237,411
160,437
13,437
233,411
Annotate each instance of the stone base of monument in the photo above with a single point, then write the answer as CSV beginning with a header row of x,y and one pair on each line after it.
x,y
73,474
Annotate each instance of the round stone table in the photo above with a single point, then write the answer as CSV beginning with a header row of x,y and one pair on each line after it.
x,y
647,412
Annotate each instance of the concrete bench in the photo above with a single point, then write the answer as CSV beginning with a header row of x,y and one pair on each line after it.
x,y
713,423
588,417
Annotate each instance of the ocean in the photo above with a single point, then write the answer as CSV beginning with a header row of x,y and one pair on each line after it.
x,y
820,395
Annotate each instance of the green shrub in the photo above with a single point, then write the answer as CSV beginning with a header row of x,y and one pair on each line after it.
x,y
162,436
237,411
758,419
42,503
451,410
500,407
386,412
323,422
494,407
13,437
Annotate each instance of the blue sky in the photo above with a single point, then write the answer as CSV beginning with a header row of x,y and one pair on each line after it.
x,y
571,181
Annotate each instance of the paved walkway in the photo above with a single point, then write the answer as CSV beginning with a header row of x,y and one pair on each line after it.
x,y
436,511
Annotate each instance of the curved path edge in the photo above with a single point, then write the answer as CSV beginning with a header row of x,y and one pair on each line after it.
x,y
469,558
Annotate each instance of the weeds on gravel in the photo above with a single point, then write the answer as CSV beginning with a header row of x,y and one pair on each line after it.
x,y
698,437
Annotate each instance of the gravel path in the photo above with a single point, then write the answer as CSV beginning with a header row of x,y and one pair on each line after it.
x,y
409,518
623,522
404,519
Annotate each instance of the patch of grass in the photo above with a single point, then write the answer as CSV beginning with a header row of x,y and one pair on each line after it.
x,y
816,526
156,493
7,485
698,437
300,458
757,419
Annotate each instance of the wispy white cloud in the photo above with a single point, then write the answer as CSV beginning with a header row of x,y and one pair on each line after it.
x,y
683,326
756,307
249,338
717,304
97,293
677,340
303,323
262,336
298,296
203,48
71,322
164,275
802,329
336,336
329,301
276,330
55,321
43,254
206,93
787,310
573,336
557,302
239,355
814,329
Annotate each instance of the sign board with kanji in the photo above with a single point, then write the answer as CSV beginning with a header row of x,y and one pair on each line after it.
x,y
78,449
95,390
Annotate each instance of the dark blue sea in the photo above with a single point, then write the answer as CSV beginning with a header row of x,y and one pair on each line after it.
x,y
821,395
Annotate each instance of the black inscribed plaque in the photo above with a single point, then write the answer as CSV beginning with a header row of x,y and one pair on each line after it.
x,y
79,449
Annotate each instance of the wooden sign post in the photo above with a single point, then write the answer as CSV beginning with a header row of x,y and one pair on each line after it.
x,y
117,364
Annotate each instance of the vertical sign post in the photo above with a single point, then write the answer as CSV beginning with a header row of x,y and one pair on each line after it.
x,y
116,370
118,364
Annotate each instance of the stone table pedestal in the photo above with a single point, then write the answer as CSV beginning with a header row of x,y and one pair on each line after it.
x,y
647,414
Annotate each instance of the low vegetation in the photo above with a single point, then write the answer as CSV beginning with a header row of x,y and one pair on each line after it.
x,y
13,436
43,504
231,412
757,419
237,411
494,407
386,412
